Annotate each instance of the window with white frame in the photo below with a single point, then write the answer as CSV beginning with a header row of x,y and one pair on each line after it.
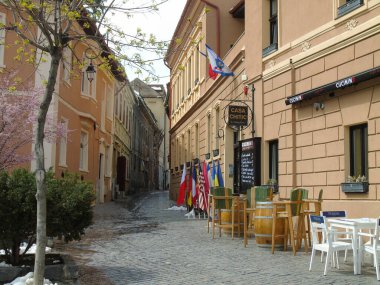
x,y
196,141
83,156
109,101
117,108
2,39
216,131
103,115
196,66
209,137
88,88
189,77
188,158
63,144
108,161
67,63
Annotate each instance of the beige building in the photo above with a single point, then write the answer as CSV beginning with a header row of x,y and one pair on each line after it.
x,y
154,96
309,71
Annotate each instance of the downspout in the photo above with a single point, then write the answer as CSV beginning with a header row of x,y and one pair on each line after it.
x,y
294,149
217,24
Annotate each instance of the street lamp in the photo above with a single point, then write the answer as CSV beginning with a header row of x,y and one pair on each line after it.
x,y
90,71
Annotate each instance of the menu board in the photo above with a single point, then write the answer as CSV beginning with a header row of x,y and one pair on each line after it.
x,y
249,164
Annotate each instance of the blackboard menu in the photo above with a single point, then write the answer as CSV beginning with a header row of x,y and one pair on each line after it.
x,y
249,164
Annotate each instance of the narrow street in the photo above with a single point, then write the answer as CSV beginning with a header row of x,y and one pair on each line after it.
x,y
141,242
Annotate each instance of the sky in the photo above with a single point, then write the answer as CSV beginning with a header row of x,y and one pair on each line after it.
x,y
162,24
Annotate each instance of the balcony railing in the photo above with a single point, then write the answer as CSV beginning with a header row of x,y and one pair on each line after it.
x,y
269,49
349,6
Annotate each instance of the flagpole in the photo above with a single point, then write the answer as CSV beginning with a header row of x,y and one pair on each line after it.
x,y
253,109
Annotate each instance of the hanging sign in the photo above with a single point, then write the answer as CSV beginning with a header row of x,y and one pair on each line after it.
x,y
237,115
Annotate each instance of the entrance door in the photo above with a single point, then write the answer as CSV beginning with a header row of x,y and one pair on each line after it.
x,y
236,163
100,192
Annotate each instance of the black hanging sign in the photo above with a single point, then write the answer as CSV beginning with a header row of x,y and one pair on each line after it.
x,y
237,115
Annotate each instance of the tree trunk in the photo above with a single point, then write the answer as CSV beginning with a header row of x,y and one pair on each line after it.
x,y
39,263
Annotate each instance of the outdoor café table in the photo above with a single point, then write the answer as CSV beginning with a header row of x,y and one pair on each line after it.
x,y
355,225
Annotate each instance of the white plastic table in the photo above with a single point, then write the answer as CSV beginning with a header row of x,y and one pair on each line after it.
x,y
355,225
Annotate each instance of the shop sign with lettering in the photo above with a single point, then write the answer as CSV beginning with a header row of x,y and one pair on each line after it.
x,y
237,115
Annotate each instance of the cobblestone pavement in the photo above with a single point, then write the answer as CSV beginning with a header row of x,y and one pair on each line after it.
x,y
144,243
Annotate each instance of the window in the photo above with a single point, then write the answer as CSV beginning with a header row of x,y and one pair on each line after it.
x,y
273,22
346,6
103,115
67,63
109,101
196,140
188,145
189,78
108,161
272,27
2,39
63,144
117,105
273,160
208,133
359,150
87,88
217,127
83,159
196,67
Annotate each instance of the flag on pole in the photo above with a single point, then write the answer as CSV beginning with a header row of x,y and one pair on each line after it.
x,y
209,175
205,174
194,184
203,202
220,176
217,63
214,175
211,73
182,187
189,190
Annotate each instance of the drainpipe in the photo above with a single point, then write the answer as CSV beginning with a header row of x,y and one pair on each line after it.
x,y
294,149
217,24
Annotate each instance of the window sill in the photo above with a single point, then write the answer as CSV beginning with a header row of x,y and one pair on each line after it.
x,y
84,170
62,165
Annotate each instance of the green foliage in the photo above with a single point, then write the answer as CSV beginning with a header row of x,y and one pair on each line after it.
x,y
69,208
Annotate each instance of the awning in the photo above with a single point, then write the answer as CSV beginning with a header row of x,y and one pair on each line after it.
x,y
340,84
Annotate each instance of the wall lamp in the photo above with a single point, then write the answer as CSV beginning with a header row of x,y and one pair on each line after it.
x,y
318,105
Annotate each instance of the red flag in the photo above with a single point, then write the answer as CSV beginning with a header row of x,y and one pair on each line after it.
x,y
211,72
182,187
203,202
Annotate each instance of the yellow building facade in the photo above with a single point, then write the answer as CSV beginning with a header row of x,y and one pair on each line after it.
x,y
308,70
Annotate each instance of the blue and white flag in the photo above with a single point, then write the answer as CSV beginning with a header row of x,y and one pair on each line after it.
x,y
217,64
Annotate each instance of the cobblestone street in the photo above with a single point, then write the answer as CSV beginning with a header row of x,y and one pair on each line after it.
x,y
141,242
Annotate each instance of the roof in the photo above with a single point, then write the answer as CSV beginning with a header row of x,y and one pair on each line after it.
x,y
148,91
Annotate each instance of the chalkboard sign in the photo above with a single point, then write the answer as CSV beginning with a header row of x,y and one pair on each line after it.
x,y
249,163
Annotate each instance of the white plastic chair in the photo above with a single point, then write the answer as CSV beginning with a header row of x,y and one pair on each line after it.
x,y
372,247
328,245
342,236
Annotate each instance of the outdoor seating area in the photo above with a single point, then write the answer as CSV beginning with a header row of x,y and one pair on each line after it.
x,y
268,221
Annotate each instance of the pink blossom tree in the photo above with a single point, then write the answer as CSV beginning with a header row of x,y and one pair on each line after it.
x,y
18,113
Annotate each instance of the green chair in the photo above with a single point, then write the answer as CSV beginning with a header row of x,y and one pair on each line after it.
x,y
255,194
222,201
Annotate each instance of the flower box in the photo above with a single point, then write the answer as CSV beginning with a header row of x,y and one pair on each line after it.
x,y
354,187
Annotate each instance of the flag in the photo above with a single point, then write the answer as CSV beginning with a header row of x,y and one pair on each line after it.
x,y
209,176
217,64
194,184
214,175
189,191
207,184
211,73
203,202
182,187
220,176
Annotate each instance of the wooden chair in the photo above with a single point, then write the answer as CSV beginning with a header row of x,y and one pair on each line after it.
x,y
222,199
293,208
314,211
259,194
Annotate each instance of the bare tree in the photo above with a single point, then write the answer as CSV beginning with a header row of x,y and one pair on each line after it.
x,y
50,26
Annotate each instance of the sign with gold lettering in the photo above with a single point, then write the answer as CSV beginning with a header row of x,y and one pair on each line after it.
x,y
237,116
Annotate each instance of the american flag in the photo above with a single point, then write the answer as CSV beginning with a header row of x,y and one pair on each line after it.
x,y
202,193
